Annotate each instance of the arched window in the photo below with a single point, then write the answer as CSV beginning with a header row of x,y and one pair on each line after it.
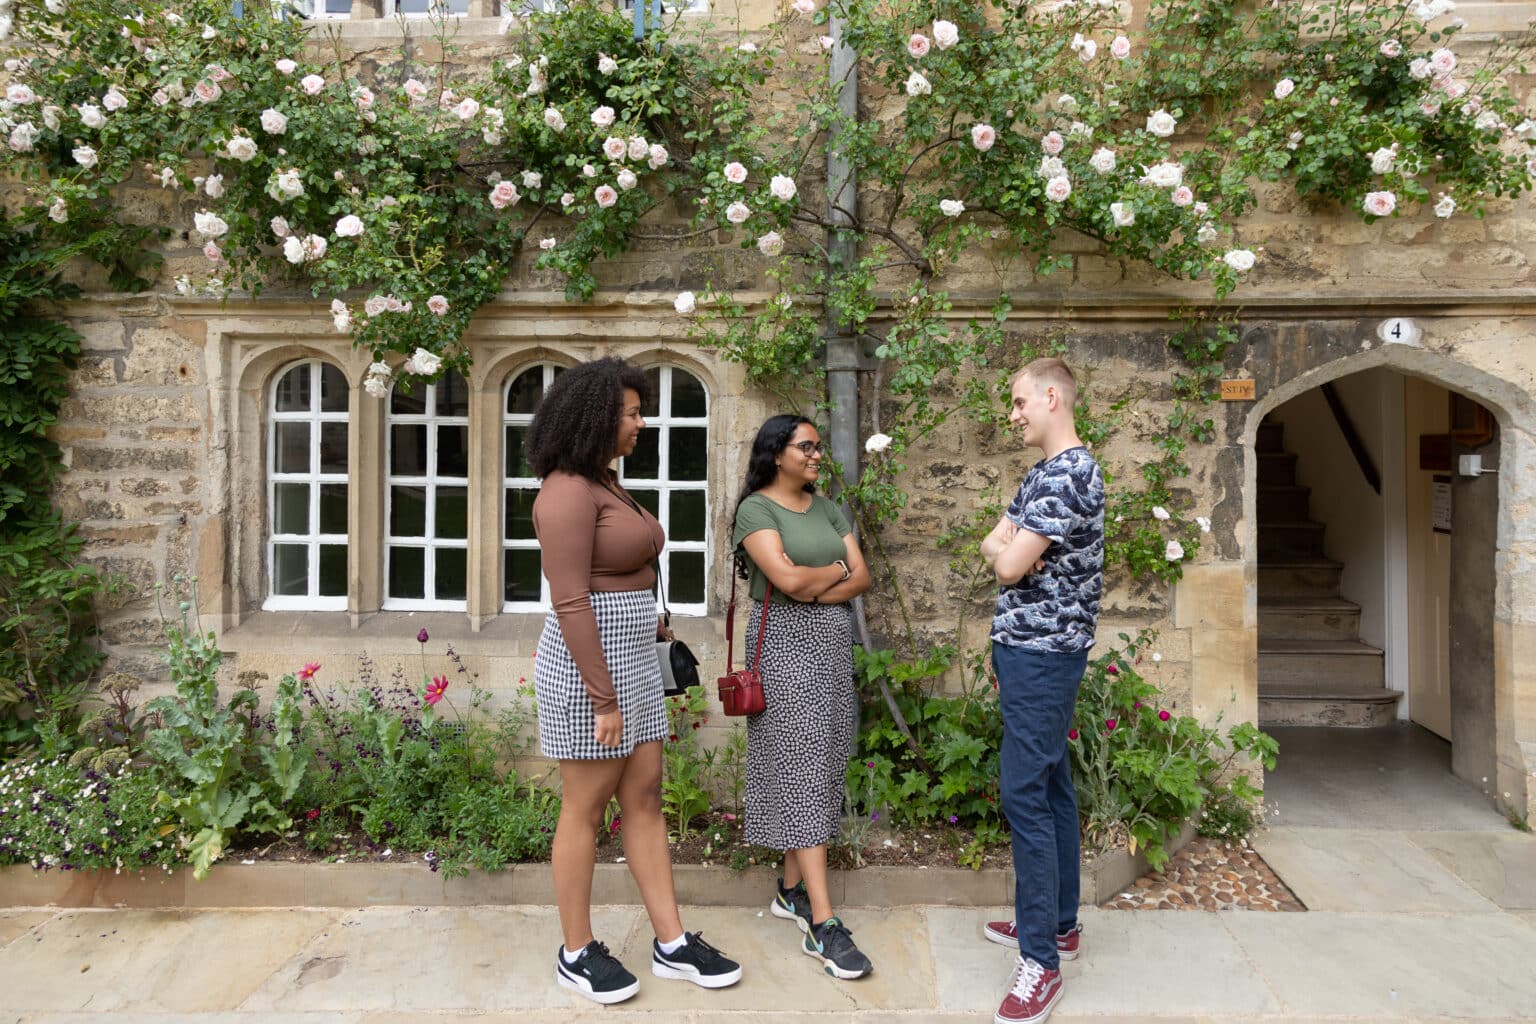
x,y
426,8
522,580
668,473
426,532
307,489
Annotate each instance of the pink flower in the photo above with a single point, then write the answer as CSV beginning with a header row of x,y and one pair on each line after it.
x,y
1053,143
1163,716
1182,196
312,84
1071,734
1442,62
606,196
805,6
735,173
1391,48
1379,204
1110,723
504,195
349,226
421,637
308,671
285,66
437,689
1120,48
1284,88
1058,189
945,34
1113,670
918,45
438,304
983,137
212,251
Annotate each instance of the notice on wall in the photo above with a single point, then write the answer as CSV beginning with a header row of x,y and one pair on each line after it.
x,y
1440,505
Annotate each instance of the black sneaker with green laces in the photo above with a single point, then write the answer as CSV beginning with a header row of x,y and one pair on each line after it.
x,y
832,944
696,961
596,974
793,905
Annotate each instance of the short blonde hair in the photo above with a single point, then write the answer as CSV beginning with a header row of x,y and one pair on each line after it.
x,y
1048,370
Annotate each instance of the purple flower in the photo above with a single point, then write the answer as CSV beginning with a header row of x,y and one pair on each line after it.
x,y
875,816
1109,724
421,637
953,819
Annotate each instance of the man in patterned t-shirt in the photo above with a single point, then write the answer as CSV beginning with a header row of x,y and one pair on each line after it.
x,y
1047,552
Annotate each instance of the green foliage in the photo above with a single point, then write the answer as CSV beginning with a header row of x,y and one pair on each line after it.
x,y
686,765
54,814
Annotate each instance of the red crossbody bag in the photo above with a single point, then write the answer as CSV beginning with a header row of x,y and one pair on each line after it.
x,y
741,691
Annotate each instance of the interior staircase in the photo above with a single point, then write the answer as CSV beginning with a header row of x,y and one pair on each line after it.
x,y
1313,667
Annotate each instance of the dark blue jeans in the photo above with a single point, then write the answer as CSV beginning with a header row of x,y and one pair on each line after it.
x,y
1037,692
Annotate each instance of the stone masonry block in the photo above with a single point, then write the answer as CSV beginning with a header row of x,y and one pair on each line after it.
x,y
102,335
94,459
160,358
124,408
1214,595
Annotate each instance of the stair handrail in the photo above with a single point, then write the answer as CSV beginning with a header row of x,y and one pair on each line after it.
x,y
1352,437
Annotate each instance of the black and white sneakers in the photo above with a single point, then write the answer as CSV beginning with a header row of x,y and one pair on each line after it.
x,y
792,905
696,961
832,944
596,974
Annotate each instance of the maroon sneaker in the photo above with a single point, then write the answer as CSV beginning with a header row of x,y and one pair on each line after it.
x,y
1005,934
1033,995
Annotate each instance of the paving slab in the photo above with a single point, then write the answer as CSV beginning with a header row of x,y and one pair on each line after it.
x,y
16,923
147,960
778,974
1132,964
1499,865
1392,965
1365,870
415,959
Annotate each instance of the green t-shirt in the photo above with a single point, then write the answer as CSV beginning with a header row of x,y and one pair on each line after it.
x,y
813,537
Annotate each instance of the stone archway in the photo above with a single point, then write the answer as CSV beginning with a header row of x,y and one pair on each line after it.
x,y
1329,355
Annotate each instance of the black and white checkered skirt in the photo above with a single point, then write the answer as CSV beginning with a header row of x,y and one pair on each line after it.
x,y
626,622
798,749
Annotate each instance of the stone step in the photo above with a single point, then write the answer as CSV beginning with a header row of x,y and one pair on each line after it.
x,y
1290,539
1282,503
1310,665
1298,618
1299,577
1348,707
1270,437
1276,469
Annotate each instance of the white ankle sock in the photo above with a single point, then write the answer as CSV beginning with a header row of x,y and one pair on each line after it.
x,y
570,957
673,946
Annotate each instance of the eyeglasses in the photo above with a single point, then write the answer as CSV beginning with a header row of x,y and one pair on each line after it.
x,y
809,448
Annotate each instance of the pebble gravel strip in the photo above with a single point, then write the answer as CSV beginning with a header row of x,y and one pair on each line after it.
x,y
1209,874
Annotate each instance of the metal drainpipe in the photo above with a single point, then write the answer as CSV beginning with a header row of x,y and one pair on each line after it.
x,y
842,344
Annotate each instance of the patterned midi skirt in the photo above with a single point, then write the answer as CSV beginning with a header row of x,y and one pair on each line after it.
x,y
798,748
626,622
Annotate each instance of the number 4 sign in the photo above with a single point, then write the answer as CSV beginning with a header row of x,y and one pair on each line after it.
x,y
1399,331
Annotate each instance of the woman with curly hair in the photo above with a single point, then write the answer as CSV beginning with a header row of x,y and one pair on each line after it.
x,y
798,748
598,682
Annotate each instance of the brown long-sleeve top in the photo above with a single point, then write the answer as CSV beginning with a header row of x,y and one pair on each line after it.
x,y
592,540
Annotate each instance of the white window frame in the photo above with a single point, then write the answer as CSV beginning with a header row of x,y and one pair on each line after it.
x,y
312,601
431,482
521,483
308,13
392,9
663,422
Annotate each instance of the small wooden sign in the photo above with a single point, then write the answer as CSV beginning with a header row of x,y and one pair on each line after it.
x,y
1238,391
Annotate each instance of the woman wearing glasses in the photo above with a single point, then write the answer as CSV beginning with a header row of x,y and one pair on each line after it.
x,y
797,750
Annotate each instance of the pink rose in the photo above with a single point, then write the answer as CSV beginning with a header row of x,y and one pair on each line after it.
x,y
1182,196
438,305
212,251
1053,143
504,195
918,45
606,196
312,84
1391,48
983,136
1120,48
1057,189
1379,204
735,173
1442,62
1284,88
286,66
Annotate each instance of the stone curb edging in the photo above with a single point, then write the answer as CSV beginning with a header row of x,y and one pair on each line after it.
x,y
279,884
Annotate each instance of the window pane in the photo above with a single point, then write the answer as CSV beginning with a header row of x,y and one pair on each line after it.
x,y
452,395
292,455
526,392
452,513
688,454
450,574
407,511
333,447
687,395
521,580
453,451
290,508
649,500
652,407
333,389
413,404
433,6
408,449
687,521
407,573
685,584
517,456
293,390
644,463
519,514
290,569
333,511
333,570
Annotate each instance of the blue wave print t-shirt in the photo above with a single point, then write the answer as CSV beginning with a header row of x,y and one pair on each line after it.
x,y
1056,610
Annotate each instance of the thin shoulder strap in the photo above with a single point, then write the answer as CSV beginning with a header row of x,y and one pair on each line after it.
x,y
730,625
